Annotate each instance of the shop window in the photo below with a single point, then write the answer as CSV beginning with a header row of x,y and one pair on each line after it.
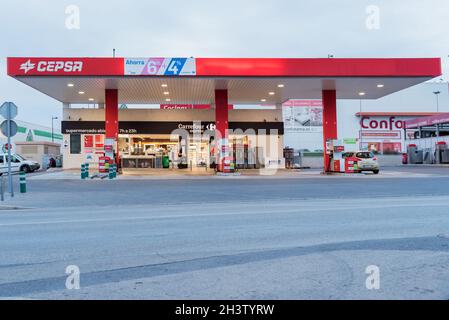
x,y
75,144
391,148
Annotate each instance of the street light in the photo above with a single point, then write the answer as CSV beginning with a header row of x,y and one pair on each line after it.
x,y
436,93
361,128
52,135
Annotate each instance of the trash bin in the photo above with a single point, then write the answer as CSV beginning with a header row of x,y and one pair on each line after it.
x,y
404,158
165,162
440,146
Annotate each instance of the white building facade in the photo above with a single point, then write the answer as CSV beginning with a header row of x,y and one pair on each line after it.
x,y
377,124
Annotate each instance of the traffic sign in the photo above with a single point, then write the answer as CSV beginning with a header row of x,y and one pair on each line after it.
x,y
13,128
6,147
9,128
8,110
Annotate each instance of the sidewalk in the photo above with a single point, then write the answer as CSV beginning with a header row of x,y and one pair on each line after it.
x,y
174,174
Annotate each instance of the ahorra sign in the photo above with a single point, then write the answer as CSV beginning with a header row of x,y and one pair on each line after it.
x,y
160,66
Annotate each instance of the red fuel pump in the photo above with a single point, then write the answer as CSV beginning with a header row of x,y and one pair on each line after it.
x,y
103,164
351,165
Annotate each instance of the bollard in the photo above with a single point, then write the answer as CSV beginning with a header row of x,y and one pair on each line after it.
x,y
114,170
111,172
83,171
23,182
86,173
2,187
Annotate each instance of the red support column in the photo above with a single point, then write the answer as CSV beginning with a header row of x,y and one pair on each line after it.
x,y
221,126
111,116
329,121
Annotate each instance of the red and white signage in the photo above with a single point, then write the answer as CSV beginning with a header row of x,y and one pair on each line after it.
x,y
381,128
88,141
225,67
184,106
303,103
380,134
189,106
65,66
391,123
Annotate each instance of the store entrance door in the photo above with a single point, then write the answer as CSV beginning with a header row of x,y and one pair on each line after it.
x,y
198,154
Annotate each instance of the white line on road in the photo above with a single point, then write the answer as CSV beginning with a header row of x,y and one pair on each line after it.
x,y
256,208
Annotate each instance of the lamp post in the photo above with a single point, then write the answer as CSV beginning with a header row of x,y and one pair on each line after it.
x,y
361,128
436,93
52,135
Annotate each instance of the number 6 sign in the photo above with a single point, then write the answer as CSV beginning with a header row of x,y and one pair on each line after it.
x,y
153,66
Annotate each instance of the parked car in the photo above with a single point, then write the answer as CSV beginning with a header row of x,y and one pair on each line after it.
x,y
367,161
18,163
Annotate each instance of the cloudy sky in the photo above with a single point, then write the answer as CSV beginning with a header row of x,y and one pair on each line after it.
x,y
209,28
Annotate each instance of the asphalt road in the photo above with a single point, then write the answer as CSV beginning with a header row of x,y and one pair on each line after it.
x,y
307,238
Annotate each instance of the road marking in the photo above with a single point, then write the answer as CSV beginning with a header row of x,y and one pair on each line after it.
x,y
274,209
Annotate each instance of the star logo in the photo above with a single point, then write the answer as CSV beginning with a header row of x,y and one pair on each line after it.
x,y
27,66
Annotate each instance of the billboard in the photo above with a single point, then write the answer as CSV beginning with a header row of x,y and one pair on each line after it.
x,y
160,66
303,116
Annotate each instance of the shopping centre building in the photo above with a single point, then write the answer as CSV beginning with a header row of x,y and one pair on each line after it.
x,y
200,118
379,124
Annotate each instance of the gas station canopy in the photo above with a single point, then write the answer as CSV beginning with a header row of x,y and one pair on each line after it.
x,y
194,80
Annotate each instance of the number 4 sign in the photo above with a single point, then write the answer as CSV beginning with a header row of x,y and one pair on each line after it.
x,y
175,66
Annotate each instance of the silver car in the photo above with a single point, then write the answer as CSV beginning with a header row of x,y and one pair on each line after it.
x,y
367,161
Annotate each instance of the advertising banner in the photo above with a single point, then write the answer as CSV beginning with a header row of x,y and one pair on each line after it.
x,y
160,66
303,115
88,141
99,141
427,121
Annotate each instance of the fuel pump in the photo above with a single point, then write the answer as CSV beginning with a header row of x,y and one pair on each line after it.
x,y
337,161
335,149
109,149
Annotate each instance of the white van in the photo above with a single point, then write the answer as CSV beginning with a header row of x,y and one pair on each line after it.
x,y
18,163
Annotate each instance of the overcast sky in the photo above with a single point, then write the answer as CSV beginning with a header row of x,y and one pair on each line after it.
x,y
209,28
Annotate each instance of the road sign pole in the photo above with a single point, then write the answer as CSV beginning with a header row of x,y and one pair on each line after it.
x,y
9,128
11,188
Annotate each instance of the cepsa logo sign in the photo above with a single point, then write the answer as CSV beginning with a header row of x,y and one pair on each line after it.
x,y
391,124
52,66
